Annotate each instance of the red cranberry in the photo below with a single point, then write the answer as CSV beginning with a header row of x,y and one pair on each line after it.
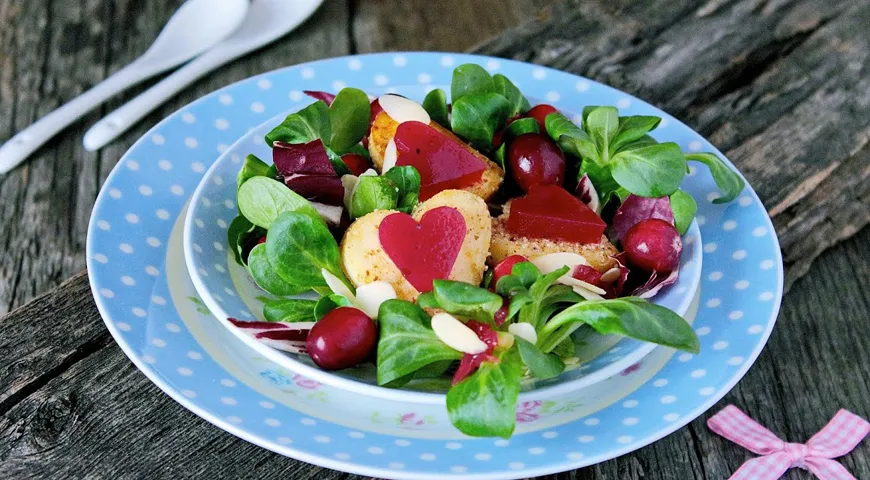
x,y
357,164
653,245
504,268
341,339
502,313
540,113
261,240
536,160
587,274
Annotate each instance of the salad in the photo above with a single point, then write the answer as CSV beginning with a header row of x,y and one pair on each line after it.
x,y
470,238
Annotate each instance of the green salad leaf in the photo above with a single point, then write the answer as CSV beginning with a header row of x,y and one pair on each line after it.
x,y
349,117
652,171
517,102
602,124
630,317
684,208
465,299
470,79
485,403
477,117
407,179
435,105
327,303
570,137
519,127
729,182
253,167
266,277
373,193
289,310
241,236
310,123
406,342
541,365
299,247
632,129
262,199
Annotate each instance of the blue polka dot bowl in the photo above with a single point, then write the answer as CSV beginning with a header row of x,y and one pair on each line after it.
x,y
136,265
228,291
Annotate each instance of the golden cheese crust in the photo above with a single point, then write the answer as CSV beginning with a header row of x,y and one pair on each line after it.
x,y
384,129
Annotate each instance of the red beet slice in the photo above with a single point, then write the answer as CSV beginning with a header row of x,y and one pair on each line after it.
x,y
443,162
327,97
302,159
427,250
550,212
587,274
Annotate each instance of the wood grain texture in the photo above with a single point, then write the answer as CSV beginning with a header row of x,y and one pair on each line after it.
x,y
779,85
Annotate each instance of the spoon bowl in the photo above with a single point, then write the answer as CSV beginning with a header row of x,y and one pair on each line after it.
x,y
194,28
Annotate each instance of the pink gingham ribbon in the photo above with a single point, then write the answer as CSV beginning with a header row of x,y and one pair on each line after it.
x,y
837,438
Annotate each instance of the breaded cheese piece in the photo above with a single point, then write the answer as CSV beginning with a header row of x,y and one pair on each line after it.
x,y
504,244
384,129
364,260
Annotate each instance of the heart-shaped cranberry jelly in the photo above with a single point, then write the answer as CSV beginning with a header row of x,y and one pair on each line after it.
x,y
427,250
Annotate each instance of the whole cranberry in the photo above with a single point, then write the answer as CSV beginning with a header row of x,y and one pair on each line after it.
x,y
653,245
504,268
357,164
344,337
536,160
540,113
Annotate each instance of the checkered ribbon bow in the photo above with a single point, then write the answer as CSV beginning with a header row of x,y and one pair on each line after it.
x,y
837,438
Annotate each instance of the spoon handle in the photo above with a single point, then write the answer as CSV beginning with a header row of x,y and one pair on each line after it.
x,y
20,146
119,121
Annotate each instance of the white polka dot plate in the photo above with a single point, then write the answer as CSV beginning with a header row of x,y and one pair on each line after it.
x,y
140,286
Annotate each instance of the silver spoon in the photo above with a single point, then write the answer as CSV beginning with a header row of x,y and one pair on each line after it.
x,y
195,27
267,21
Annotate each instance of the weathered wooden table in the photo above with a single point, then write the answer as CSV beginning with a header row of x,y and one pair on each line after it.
x,y
781,86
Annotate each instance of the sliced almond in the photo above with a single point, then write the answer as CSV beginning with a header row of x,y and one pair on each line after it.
x,y
337,286
525,331
390,156
330,213
611,275
587,294
349,183
402,109
456,334
554,261
580,283
370,296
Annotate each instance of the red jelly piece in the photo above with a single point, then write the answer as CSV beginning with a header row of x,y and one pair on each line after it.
x,y
550,212
427,250
443,162
470,363
357,164
586,274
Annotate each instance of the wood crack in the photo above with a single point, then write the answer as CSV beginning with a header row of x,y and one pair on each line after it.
x,y
82,352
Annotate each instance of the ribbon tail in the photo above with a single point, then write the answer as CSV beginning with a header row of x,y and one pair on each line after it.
x,y
826,469
768,467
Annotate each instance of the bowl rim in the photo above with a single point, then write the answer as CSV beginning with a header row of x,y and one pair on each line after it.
x,y
398,394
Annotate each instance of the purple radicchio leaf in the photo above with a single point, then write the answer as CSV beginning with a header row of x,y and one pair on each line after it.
x,y
636,209
655,283
327,190
587,194
615,288
302,159
327,97
289,337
